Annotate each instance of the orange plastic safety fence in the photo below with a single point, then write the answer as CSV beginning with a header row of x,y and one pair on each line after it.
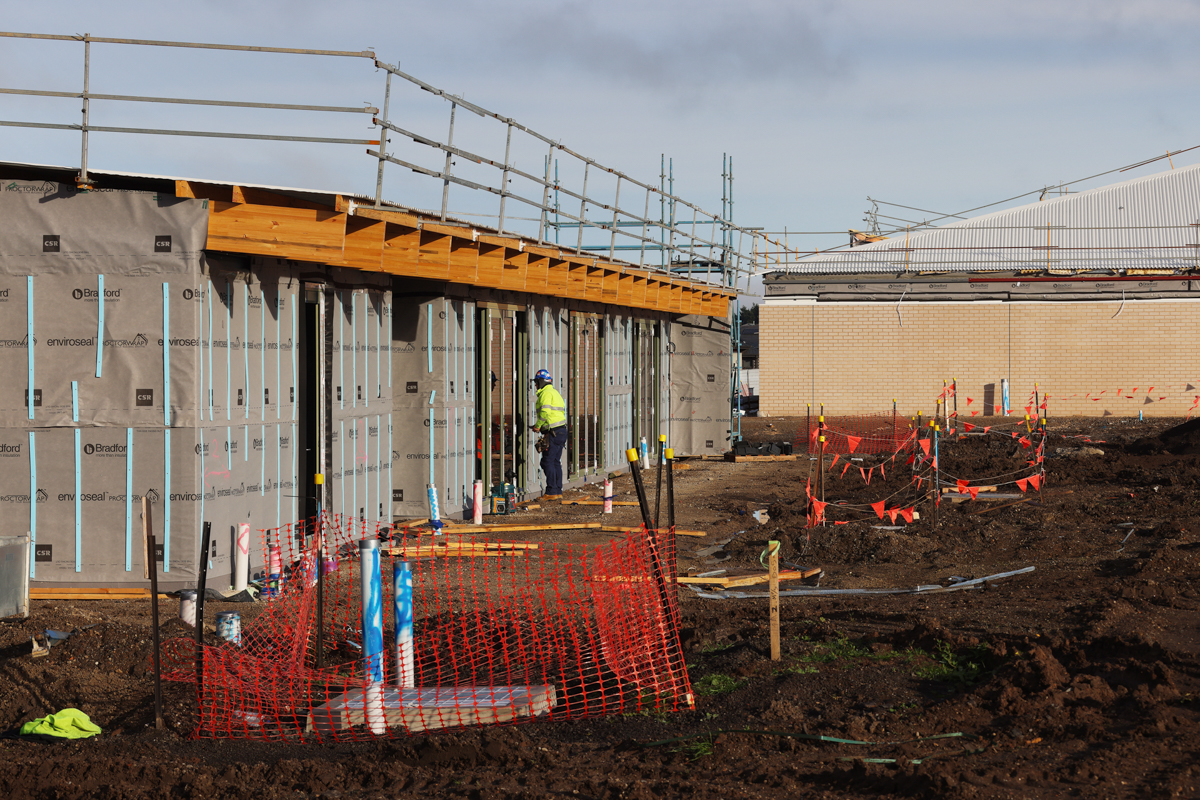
x,y
502,632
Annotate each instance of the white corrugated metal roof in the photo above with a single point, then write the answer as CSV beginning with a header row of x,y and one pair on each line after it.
x,y
1145,223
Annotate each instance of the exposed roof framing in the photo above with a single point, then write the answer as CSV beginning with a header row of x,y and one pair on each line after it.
x,y
257,221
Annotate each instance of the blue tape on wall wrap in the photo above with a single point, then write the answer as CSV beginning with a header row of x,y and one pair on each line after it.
x,y
166,530
166,309
246,347
229,354
78,505
341,341
99,324
33,504
353,350
128,499
211,375
29,396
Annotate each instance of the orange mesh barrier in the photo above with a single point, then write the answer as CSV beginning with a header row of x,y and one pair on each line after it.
x,y
502,632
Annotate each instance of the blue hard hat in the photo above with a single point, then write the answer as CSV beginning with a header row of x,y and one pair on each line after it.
x,y
543,375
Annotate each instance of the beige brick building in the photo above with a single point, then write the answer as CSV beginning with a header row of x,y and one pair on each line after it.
x,y
1093,297
857,357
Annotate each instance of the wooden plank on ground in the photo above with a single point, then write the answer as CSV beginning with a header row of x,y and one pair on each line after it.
x,y
751,459
86,594
429,708
678,531
727,582
468,528
598,502
995,497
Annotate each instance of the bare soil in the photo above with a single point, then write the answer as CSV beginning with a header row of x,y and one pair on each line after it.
x,y
1079,679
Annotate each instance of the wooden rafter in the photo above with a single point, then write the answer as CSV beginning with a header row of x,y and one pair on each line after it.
x,y
261,222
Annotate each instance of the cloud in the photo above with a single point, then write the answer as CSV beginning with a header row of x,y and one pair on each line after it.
x,y
692,49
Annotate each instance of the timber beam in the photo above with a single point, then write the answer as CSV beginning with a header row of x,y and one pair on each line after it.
x,y
244,219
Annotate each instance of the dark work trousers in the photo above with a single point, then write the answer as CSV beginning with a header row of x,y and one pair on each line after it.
x,y
552,459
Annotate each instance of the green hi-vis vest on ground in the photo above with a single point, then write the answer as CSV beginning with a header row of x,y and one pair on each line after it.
x,y
70,723
551,408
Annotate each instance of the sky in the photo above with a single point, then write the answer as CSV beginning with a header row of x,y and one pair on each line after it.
x,y
940,106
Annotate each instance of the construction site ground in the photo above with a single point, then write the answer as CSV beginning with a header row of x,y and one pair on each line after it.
x,y
1078,679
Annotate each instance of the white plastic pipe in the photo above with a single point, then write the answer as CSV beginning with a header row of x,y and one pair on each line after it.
x,y
187,607
608,496
477,504
402,589
241,557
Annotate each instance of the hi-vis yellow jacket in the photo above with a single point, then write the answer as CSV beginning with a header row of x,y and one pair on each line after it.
x,y
551,408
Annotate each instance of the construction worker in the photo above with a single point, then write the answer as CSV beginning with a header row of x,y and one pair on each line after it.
x,y
551,421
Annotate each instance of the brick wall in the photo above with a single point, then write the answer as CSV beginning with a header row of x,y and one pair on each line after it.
x,y
856,357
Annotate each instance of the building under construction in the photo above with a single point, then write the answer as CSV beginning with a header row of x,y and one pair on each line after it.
x,y
213,345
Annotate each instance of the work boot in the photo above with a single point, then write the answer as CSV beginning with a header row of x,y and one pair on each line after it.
x,y
552,497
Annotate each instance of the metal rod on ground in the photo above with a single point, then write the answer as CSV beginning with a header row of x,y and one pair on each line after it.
x,y
669,455
151,561
636,471
773,567
821,442
937,479
893,421
319,481
662,441
657,568
201,585
954,389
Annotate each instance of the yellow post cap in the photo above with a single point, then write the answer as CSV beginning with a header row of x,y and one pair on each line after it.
x,y
632,455
662,437
822,438
318,479
669,454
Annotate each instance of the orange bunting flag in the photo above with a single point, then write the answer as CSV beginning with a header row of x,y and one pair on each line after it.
x,y
970,400
1151,389
863,472
819,510
974,492
924,445
1042,406
844,469
935,466
882,474
973,413
1029,408
968,427
907,513
870,472
878,508
911,459
852,442
808,488
1021,484
1025,442
1131,394
836,456
1035,481
987,428
892,512
962,485
1014,434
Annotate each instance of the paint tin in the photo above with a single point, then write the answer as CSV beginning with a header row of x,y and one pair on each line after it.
x,y
229,626
187,607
